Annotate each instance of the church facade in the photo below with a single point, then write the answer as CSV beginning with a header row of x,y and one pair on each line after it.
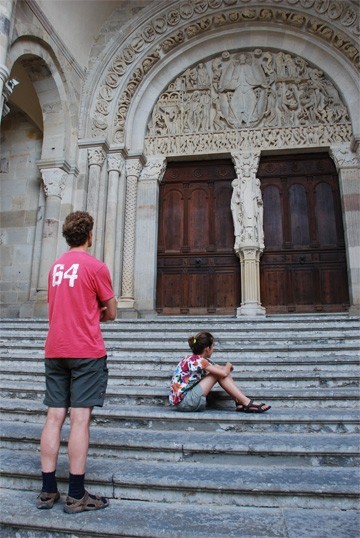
x,y
215,142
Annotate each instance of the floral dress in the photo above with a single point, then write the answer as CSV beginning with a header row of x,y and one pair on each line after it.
x,y
189,372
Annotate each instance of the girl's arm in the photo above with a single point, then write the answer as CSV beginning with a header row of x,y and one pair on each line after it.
x,y
221,371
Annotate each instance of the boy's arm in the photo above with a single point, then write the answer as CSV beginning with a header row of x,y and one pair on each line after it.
x,y
108,310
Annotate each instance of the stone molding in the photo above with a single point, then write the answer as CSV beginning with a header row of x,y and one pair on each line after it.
x,y
331,21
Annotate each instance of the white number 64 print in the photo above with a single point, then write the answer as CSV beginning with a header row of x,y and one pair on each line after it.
x,y
70,274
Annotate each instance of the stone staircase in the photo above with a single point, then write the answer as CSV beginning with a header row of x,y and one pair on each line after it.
x,y
292,472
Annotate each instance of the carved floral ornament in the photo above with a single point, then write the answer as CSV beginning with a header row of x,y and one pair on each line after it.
x,y
247,99
330,20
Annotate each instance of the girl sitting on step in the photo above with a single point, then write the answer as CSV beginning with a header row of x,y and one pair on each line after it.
x,y
196,375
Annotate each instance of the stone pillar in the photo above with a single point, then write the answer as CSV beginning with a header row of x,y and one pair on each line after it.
x,y
348,165
96,157
147,234
133,169
54,180
247,211
114,221
5,20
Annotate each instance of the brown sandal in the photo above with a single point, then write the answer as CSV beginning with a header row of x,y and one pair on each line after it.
x,y
252,407
87,503
46,501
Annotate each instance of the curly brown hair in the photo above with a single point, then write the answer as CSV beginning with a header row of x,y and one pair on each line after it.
x,y
76,228
200,342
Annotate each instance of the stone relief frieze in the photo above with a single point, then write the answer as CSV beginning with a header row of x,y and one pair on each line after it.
x,y
329,20
249,99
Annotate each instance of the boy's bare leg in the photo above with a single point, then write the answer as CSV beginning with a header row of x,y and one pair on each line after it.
x,y
79,438
50,438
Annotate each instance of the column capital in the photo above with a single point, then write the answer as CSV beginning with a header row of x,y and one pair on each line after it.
x,y
344,157
133,167
96,156
154,169
54,181
115,162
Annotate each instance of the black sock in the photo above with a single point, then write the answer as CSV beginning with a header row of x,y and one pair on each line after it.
x,y
76,486
49,482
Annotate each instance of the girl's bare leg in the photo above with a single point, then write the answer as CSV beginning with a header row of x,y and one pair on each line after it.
x,y
228,384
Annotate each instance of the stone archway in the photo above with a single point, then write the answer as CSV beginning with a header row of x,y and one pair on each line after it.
x,y
55,163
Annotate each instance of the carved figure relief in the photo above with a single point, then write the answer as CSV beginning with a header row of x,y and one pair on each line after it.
x,y
247,90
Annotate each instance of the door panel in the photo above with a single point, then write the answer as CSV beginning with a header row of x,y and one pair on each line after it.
x,y
303,267
198,272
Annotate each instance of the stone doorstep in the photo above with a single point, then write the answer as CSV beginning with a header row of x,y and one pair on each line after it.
x,y
205,483
156,520
314,448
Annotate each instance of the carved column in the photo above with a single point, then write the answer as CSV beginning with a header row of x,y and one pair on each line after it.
x,y
133,169
96,159
6,7
348,165
247,211
54,180
147,234
114,217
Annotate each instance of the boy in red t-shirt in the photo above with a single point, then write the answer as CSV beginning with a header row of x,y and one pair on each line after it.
x,y
80,295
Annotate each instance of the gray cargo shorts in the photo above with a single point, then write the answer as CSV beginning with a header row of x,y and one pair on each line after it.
x,y
195,400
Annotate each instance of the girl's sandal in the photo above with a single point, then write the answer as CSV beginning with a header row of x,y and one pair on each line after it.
x,y
87,503
252,407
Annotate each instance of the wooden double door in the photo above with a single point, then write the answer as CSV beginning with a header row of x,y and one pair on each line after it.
x,y
303,267
198,272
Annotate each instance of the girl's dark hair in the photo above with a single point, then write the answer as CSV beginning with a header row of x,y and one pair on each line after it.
x,y
76,228
200,341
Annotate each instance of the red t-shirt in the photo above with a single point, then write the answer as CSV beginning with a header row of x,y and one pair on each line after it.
x,y
77,282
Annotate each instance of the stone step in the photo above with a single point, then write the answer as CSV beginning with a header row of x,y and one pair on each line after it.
x,y
161,343
258,377
138,518
172,482
218,448
166,418
157,359
137,395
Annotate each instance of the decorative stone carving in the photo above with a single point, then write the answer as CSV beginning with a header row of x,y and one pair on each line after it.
x,y
54,181
154,169
344,157
251,99
246,201
133,169
96,156
115,162
331,21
